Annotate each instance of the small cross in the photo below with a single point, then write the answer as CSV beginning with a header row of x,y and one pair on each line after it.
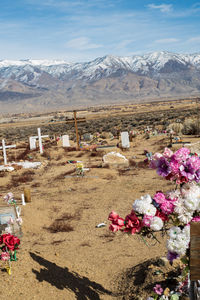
x,y
4,147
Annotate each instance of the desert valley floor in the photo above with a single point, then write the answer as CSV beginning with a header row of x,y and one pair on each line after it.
x,y
63,255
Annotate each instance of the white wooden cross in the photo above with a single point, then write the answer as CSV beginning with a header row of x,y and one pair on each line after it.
x,y
4,147
39,137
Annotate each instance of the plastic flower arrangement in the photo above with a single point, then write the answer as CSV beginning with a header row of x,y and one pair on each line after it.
x,y
9,246
179,208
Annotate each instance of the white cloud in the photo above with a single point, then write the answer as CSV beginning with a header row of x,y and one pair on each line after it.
x,y
82,43
194,39
164,8
167,41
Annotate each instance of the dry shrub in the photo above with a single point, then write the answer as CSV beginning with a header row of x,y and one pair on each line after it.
x,y
80,154
191,126
176,127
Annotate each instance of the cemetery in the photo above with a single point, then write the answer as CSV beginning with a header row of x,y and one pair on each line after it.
x,y
71,244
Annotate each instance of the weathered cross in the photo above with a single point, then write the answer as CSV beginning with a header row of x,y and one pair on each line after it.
x,y
39,137
4,147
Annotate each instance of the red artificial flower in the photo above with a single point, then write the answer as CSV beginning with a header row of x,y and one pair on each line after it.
x,y
161,215
10,241
132,223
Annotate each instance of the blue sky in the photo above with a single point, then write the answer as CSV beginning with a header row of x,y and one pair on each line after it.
x,y
81,30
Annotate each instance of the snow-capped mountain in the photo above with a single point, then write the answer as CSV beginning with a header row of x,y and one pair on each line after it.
x,y
156,74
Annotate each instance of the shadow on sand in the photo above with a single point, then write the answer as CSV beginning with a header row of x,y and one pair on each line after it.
x,y
61,278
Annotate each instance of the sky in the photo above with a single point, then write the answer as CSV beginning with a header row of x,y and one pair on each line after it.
x,y
82,30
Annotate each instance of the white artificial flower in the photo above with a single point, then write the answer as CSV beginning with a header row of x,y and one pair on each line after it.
x,y
185,217
186,231
191,203
150,210
144,208
147,198
8,229
156,224
174,231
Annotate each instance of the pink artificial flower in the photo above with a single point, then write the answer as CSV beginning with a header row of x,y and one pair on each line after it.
x,y
159,197
147,220
113,216
182,154
167,153
157,156
174,165
8,197
196,219
157,289
114,227
5,256
167,207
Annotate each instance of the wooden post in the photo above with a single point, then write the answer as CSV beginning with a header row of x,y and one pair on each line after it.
x,y
27,195
76,127
194,251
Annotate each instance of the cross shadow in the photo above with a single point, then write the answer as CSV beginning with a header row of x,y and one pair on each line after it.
x,y
61,278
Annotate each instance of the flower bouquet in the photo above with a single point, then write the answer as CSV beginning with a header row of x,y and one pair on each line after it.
x,y
177,208
9,245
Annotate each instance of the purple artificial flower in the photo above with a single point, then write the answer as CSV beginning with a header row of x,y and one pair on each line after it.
x,y
197,176
187,170
163,167
171,256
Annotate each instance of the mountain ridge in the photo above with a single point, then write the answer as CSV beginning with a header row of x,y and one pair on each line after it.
x,y
46,83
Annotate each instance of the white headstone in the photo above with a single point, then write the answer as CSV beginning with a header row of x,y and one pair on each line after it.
x,y
23,200
125,139
65,141
32,143
4,147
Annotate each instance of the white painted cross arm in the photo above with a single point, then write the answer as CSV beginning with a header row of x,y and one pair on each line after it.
x,y
4,147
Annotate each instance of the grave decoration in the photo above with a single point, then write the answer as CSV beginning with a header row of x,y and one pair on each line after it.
x,y
178,208
10,225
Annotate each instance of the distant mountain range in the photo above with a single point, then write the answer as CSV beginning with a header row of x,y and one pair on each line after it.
x,y
54,84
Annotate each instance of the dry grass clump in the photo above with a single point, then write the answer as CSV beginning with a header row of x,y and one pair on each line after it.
x,y
25,177
23,155
62,224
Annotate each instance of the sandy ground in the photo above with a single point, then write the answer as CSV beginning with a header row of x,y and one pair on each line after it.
x,y
86,262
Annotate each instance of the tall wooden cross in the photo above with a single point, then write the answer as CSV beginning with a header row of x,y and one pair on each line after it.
x,y
4,147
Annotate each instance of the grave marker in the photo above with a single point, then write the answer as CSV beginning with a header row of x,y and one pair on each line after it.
x,y
125,139
4,147
65,141
32,140
7,212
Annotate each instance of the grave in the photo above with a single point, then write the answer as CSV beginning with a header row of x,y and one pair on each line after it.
x,y
125,140
4,147
32,141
